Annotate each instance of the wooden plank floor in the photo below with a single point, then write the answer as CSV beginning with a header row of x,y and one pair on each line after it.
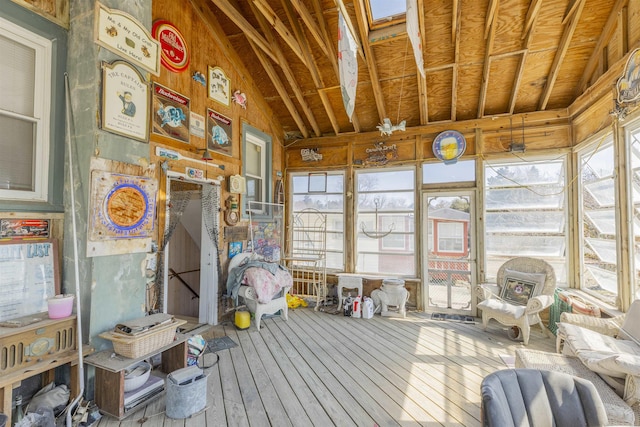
x,y
320,369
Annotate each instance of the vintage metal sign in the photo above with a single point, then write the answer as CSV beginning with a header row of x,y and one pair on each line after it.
x,y
628,85
174,51
123,35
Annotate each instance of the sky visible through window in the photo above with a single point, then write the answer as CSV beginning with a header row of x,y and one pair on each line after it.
x,y
381,9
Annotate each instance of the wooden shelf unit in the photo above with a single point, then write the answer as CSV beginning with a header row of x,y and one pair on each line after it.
x,y
110,367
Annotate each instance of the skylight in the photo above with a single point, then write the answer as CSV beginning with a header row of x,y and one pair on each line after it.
x,y
381,11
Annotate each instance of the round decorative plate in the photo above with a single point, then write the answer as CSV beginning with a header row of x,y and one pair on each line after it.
x,y
126,206
174,53
449,145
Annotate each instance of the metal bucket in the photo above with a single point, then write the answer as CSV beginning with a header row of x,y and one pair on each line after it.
x,y
186,392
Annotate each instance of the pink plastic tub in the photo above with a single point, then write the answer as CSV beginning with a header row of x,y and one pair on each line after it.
x,y
60,306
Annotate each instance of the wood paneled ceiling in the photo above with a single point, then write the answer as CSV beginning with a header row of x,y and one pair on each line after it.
x,y
482,58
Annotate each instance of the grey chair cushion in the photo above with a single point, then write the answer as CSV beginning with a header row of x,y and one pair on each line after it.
x,y
537,398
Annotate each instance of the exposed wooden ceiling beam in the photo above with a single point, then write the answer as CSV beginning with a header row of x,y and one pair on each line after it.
x,y
455,24
333,58
491,14
569,29
286,69
306,48
605,36
572,10
422,80
363,26
281,89
490,37
244,25
532,15
279,27
313,27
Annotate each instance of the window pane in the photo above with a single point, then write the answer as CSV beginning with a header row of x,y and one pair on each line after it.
x,y
597,208
526,213
461,171
386,8
253,161
18,138
634,149
329,203
17,84
385,221
254,190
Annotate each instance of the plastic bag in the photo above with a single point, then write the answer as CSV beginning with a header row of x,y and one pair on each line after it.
x,y
52,397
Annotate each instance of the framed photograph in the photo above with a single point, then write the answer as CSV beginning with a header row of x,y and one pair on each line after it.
x,y
219,86
219,133
171,113
516,291
235,248
125,101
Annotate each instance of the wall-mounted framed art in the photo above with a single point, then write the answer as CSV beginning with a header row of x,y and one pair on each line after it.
x,y
219,86
125,101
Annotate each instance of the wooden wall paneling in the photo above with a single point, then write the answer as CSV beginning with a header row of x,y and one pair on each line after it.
x,y
595,118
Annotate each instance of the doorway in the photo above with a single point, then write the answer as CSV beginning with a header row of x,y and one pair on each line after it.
x,y
190,270
449,257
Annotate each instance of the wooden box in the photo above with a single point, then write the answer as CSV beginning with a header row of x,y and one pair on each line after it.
x,y
26,346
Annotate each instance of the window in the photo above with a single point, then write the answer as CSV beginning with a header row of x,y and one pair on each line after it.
x,y
385,12
330,202
256,160
598,220
633,152
526,212
385,221
25,108
442,173
450,237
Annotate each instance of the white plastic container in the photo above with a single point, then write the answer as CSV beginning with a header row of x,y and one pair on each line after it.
x,y
357,303
367,308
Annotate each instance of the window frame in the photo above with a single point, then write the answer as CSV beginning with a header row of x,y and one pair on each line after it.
x,y
43,48
252,135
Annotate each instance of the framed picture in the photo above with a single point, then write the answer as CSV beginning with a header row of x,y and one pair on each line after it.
x,y
235,248
219,133
125,101
516,291
219,86
171,113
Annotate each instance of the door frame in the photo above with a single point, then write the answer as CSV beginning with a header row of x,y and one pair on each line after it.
x,y
208,304
471,193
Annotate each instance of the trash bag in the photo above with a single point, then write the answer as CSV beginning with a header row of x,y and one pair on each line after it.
x,y
52,397
41,417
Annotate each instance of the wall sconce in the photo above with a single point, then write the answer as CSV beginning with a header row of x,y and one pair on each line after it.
x,y
237,184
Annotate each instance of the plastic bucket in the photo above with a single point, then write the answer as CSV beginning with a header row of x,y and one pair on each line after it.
x,y
60,306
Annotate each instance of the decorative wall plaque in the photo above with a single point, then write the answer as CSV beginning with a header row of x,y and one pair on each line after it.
x,y
124,35
173,47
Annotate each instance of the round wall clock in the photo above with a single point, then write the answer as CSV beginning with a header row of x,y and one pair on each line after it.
x,y
449,145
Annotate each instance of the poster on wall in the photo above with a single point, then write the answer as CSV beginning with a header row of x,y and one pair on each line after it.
x,y
125,36
17,229
219,133
170,113
29,277
125,101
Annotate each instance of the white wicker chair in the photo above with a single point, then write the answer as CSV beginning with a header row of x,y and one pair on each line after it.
x,y
509,313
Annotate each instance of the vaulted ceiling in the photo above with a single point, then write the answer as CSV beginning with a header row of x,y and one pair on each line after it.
x,y
482,58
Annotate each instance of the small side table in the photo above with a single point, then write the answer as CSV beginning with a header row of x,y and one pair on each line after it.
x,y
348,281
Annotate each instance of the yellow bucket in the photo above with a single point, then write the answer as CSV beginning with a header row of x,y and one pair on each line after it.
x,y
242,319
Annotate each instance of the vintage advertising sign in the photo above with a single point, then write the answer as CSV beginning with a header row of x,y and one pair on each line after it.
x,y
125,101
170,113
449,145
219,133
125,36
174,53
16,229
628,85
122,206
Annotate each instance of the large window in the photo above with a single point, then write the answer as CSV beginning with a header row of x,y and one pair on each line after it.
x,y
25,106
525,213
327,199
598,220
385,221
633,143
256,157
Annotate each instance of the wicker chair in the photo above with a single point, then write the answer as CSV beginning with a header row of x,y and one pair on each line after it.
x,y
522,308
